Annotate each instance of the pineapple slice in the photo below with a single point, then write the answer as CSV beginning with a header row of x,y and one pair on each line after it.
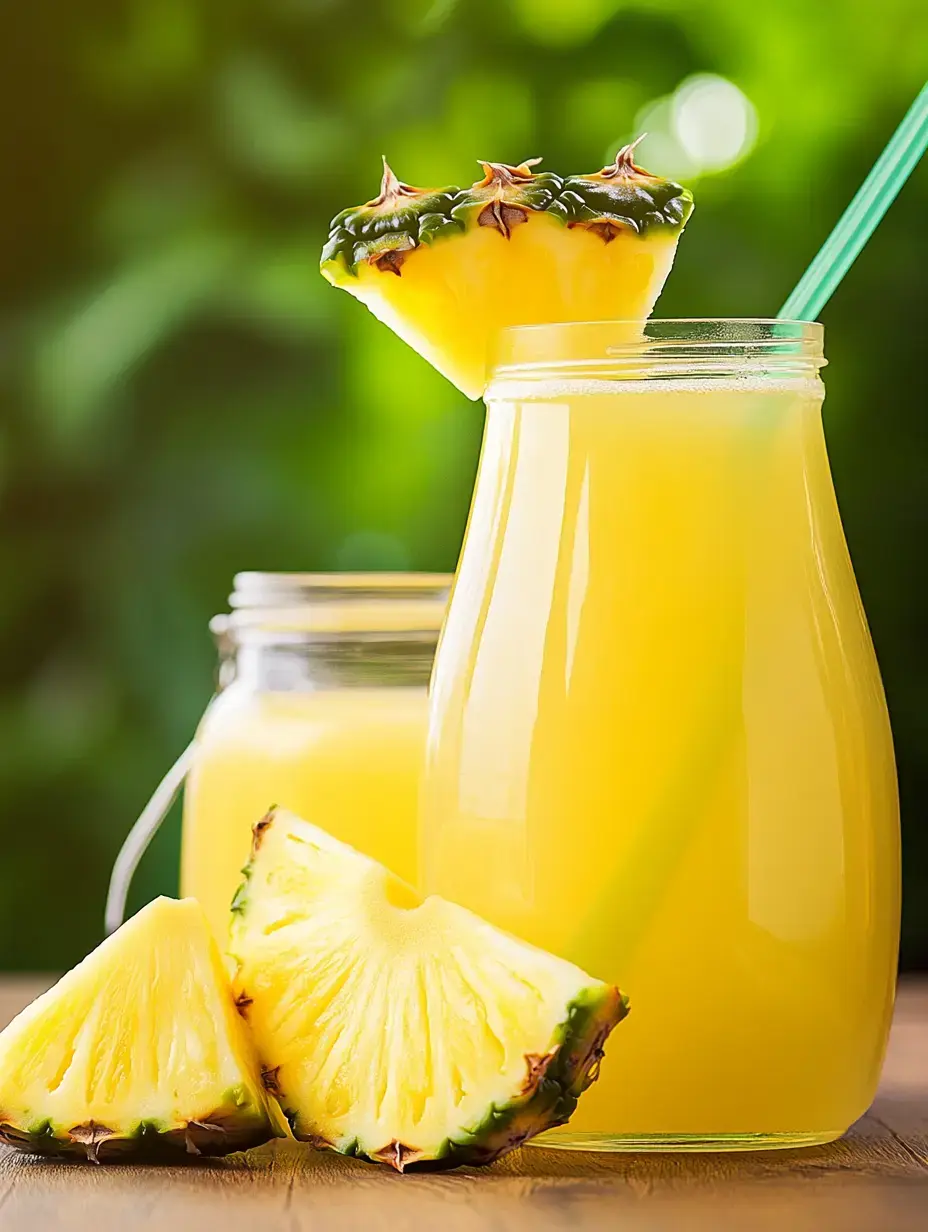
x,y
140,1047
407,1032
448,268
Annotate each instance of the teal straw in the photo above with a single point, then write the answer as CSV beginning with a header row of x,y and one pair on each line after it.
x,y
860,219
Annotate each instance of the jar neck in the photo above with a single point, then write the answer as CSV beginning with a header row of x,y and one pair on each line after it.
x,y
533,361
300,632
306,665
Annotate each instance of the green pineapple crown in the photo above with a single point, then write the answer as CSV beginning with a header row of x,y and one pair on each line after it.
x,y
620,197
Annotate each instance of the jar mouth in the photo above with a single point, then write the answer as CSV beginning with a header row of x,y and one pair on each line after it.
x,y
285,607
255,590
661,348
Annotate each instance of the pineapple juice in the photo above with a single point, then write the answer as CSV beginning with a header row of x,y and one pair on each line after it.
x,y
659,748
350,759
322,710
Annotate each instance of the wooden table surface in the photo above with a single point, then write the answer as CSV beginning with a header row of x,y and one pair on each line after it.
x,y
875,1178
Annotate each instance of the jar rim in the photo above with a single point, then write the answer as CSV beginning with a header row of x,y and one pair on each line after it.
x,y
258,589
673,346
283,607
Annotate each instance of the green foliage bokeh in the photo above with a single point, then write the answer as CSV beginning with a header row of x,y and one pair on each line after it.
x,y
182,396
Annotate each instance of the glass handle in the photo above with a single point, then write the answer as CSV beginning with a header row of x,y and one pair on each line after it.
x,y
140,836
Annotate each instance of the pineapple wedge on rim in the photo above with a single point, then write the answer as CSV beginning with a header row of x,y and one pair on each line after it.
x,y
448,268
138,1051
408,1032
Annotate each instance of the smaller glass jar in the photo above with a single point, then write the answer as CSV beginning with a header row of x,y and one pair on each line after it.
x,y
321,708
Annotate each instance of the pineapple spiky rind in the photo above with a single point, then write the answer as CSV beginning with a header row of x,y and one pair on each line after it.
x,y
554,1082
401,218
391,224
623,195
406,1032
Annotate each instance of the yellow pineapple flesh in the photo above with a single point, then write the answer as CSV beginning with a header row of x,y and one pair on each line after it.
x,y
139,1050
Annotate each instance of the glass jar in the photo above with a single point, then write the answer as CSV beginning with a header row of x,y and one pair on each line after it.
x,y
321,708
659,743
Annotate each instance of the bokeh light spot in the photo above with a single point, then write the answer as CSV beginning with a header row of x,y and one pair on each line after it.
x,y
713,121
660,151
707,125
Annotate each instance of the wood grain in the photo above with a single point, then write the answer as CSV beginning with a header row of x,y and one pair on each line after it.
x,y
874,1178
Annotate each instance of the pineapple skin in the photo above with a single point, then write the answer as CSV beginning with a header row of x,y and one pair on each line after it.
x,y
230,1128
385,230
555,1083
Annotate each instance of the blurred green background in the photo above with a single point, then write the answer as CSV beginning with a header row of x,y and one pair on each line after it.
x,y
182,396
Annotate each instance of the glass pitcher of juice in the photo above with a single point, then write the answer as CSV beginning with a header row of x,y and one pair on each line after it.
x,y
321,707
658,743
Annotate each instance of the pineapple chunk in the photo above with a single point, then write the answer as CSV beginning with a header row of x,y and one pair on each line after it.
x,y
139,1048
408,1032
448,269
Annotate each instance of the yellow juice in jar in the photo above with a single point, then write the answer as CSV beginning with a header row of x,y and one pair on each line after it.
x,y
325,715
347,760
659,748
